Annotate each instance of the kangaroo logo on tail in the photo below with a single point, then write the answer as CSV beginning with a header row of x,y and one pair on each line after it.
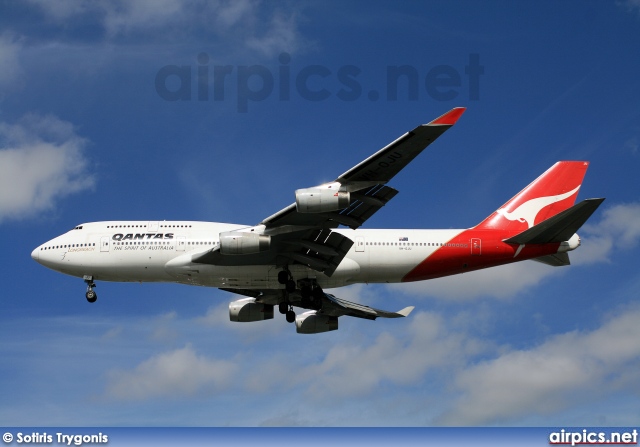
x,y
528,211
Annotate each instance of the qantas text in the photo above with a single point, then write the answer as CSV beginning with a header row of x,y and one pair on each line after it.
x,y
141,236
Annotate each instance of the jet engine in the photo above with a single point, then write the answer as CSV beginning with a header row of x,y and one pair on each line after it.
x,y
241,243
321,199
313,323
571,244
246,310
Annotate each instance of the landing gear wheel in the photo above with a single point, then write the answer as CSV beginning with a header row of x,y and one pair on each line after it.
x,y
91,296
283,308
291,316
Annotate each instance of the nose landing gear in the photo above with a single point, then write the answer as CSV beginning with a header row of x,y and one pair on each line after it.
x,y
90,295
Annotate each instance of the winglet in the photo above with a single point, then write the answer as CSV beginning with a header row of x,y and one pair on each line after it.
x,y
406,311
449,118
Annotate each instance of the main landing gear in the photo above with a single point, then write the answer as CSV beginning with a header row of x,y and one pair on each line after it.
x,y
290,315
284,277
90,295
285,308
310,291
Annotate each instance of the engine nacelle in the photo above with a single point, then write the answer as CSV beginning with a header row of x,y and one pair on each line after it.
x,y
313,323
241,243
247,310
571,244
322,199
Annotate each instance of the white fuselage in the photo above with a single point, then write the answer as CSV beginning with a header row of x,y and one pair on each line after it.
x,y
162,252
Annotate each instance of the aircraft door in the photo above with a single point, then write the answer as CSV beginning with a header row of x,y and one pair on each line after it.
x,y
359,243
104,243
181,242
476,246
152,226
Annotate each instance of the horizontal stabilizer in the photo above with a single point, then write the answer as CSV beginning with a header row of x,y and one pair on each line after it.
x,y
560,227
554,260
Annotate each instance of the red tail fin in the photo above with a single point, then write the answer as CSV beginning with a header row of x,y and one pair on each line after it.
x,y
552,192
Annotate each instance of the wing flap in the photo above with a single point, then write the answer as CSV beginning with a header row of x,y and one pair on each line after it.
x,y
321,250
367,203
336,307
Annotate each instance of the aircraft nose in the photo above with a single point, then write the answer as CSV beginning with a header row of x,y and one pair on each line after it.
x,y
35,254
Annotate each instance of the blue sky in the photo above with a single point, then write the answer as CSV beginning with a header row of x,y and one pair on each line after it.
x,y
87,135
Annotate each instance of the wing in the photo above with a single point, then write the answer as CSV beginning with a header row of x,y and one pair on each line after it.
x,y
301,233
367,179
337,307
332,306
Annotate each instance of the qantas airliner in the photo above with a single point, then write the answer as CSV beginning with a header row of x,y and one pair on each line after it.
x,y
289,258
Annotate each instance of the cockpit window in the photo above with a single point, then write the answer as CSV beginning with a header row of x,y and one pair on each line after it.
x,y
79,227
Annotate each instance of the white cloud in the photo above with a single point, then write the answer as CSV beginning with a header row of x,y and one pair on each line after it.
x,y
253,23
359,368
112,333
623,223
282,35
632,6
122,18
632,145
178,373
349,364
618,229
163,330
233,12
41,160
502,282
9,63
568,370
118,16
218,317
64,9
496,282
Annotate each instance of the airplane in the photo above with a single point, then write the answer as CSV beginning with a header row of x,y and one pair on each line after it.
x,y
292,256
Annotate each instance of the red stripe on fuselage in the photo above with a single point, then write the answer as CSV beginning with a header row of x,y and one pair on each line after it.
x,y
459,254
